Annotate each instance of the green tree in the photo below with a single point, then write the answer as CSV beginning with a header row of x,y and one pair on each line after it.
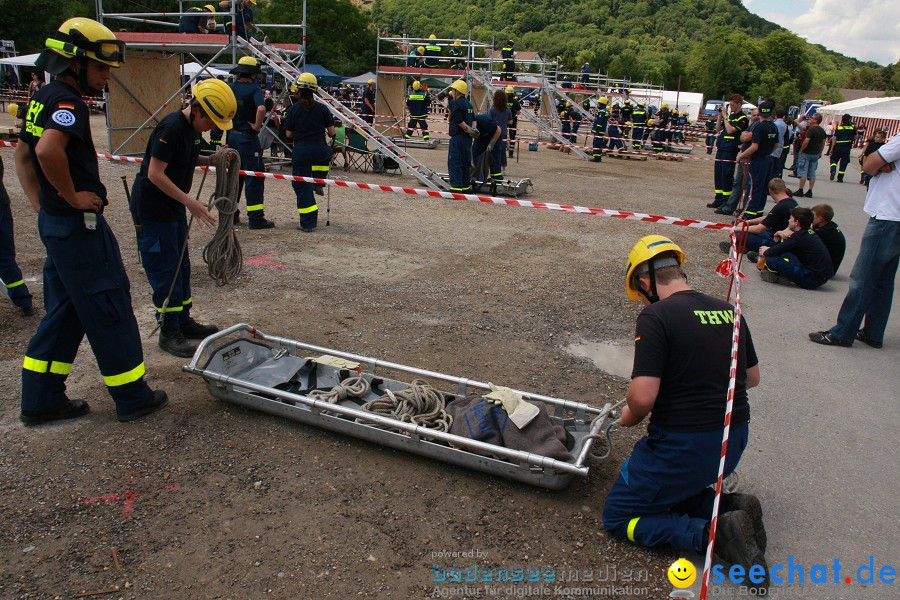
x,y
831,95
784,55
340,35
43,18
723,64
866,78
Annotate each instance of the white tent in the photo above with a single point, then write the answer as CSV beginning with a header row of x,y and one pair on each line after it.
x,y
849,106
360,79
192,68
20,61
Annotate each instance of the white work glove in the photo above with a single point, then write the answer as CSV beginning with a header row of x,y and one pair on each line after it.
x,y
491,145
473,131
520,412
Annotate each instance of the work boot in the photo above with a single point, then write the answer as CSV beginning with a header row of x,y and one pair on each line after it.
x,y
261,224
510,153
749,504
725,247
159,399
714,204
192,330
722,211
840,179
596,159
799,193
752,256
27,311
175,344
772,277
808,194
831,176
736,545
72,409
318,190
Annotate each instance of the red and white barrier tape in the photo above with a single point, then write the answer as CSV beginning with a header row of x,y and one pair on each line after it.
x,y
732,380
570,208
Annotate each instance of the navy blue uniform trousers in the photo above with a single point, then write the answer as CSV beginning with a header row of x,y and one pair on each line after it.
x,y
247,145
86,291
662,493
479,154
160,243
724,174
9,270
459,162
309,160
759,174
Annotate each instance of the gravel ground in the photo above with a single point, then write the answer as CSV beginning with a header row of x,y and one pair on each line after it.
x,y
205,499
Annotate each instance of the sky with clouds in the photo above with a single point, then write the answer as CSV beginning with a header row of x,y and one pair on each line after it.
x,y
863,29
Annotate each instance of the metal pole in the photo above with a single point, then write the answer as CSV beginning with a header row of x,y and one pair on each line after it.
x,y
303,63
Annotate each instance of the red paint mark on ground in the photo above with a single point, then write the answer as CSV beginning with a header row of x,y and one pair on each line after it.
x,y
263,261
127,497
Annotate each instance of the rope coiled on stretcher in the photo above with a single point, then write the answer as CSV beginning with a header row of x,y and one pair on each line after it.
x,y
352,387
222,255
419,404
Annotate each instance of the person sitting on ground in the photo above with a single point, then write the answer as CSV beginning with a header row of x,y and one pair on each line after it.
x,y
799,258
761,230
874,144
830,234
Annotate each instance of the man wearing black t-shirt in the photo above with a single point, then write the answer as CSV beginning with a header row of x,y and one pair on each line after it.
x,y
759,154
830,234
800,257
160,201
86,289
808,155
761,230
682,364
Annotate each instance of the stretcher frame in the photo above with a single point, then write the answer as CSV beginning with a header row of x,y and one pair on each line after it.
x,y
583,422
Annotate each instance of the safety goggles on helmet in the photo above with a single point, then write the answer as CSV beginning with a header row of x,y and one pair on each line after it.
x,y
75,44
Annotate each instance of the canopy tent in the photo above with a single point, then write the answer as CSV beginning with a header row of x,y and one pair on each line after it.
x,y
876,108
361,79
19,61
322,74
192,68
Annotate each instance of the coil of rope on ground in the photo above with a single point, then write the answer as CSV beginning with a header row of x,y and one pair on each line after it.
x,y
222,255
419,404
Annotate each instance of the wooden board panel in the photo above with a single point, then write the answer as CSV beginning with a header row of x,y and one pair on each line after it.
x,y
136,90
390,104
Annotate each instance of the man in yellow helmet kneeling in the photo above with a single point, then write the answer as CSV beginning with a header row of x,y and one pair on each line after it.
x,y
680,378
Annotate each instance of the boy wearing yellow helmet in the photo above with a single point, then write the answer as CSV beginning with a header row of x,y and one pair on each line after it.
x,y
86,288
457,59
160,199
682,366
197,21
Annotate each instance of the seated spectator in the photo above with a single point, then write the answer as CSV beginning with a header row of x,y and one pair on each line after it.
x,y
761,230
339,146
799,258
874,144
830,234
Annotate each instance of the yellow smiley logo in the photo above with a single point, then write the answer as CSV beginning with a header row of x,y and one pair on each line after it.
x,y
682,573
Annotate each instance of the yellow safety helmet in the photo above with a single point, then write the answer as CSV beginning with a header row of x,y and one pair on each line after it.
x,y
510,89
307,81
370,82
80,37
421,49
642,259
416,85
217,100
664,105
432,37
460,86
568,105
250,2
209,7
457,43
13,110
603,100
293,88
247,65
650,121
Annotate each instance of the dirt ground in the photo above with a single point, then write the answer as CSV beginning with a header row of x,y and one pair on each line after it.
x,y
209,500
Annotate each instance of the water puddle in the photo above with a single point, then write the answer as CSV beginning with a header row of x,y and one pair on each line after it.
x,y
609,357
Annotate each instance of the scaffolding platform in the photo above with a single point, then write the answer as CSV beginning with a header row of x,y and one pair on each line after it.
x,y
185,42
279,376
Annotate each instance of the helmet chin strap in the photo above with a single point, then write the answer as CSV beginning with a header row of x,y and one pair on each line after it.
x,y
653,296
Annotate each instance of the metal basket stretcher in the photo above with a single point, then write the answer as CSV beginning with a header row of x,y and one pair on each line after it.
x,y
243,366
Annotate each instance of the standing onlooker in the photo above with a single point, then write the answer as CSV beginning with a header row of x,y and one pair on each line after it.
x,y
844,135
244,137
9,270
733,200
729,130
763,140
502,115
515,106
801,125
86,288
35,85
781,126
367,110
809,153
872,278
585,74
874,144
306,123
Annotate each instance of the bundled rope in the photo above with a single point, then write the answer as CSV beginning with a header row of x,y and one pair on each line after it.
x,y
419,403
222,255
352,387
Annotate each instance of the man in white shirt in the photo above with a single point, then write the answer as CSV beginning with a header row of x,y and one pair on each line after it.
x,y
872,279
